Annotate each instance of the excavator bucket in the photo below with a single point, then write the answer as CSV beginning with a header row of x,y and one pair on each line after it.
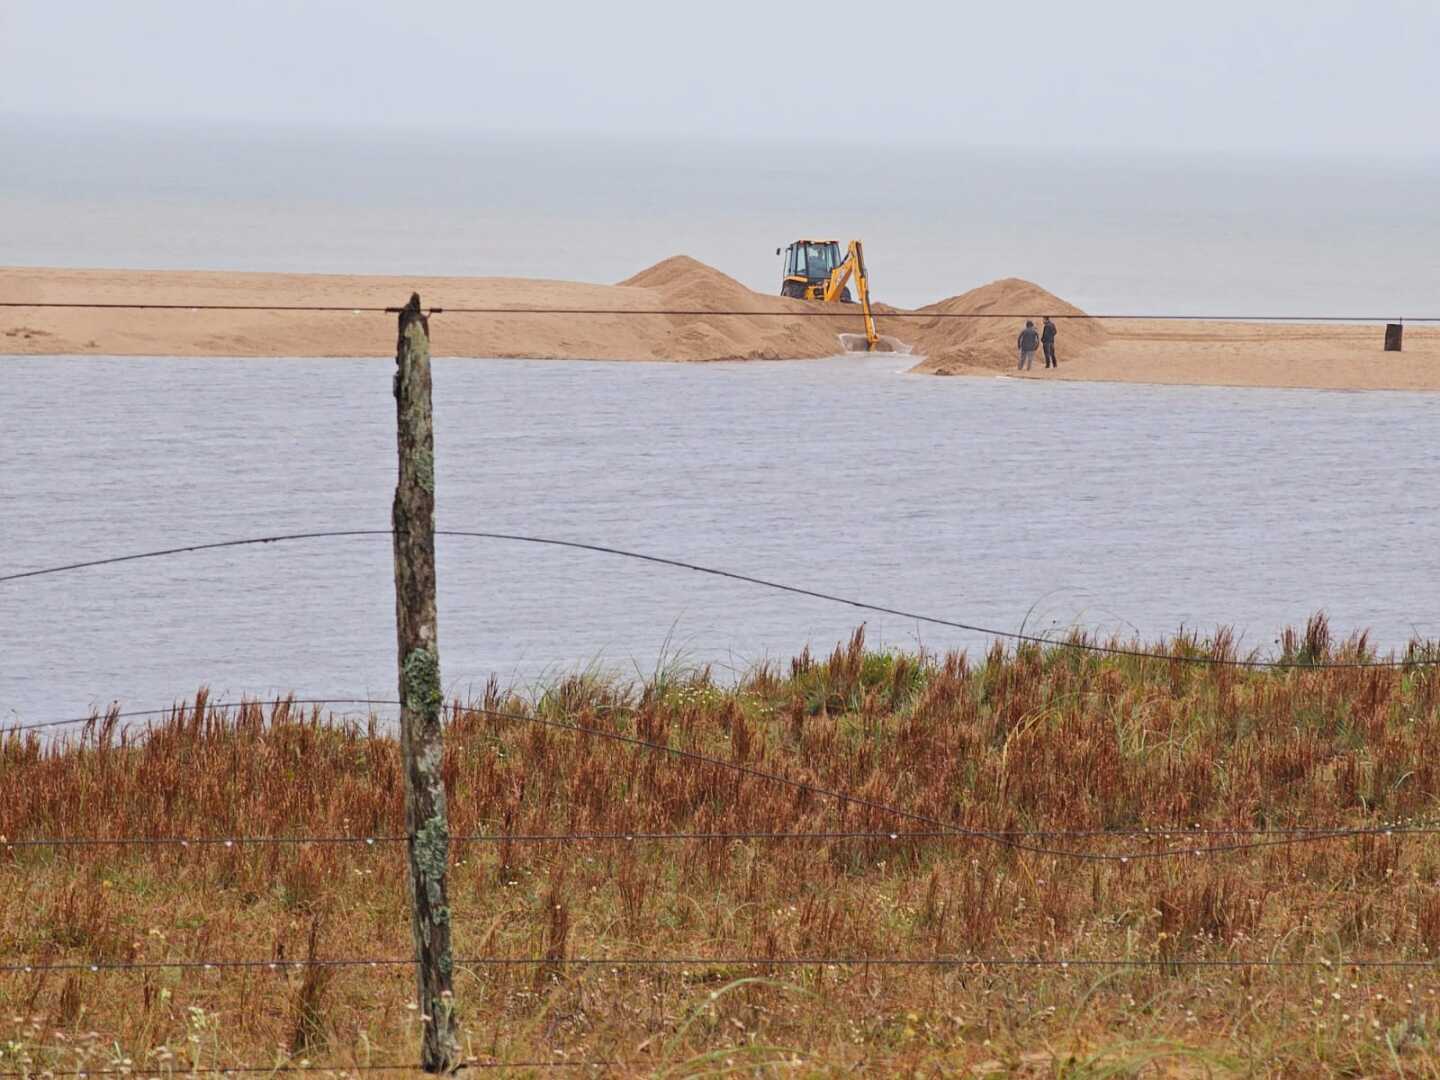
x,y
884,343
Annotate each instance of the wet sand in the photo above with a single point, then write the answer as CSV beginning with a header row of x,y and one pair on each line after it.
x,y
1319,356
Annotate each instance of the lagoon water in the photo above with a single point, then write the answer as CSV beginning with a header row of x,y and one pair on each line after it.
x,y
1126,509
1120,508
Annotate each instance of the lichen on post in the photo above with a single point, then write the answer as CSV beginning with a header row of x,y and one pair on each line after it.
x,y
421,736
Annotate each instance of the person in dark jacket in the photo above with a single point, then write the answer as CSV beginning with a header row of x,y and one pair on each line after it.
x,y
1047,339
1027,343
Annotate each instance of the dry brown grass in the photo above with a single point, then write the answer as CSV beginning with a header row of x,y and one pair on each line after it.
x,y
1039,739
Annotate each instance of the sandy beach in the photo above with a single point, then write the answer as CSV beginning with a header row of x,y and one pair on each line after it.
x,y
1342,357
1318,356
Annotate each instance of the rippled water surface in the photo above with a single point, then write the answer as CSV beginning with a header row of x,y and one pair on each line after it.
x,y
1003,503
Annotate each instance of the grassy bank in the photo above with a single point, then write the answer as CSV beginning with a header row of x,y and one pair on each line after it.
x,y
1011,742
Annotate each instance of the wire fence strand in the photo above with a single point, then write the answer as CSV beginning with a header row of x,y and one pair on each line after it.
x,y
748,579
1288,835
942,829
266,1070
847,312
749,960
958,831
100,718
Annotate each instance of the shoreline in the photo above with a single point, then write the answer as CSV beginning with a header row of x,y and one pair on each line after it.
x,y
1239,355
972,374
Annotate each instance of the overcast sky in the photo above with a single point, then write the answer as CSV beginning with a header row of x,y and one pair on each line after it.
x,y
1337,76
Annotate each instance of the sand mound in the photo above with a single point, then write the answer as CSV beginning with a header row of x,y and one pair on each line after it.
x,y
689,285
683,284
680,271
990,342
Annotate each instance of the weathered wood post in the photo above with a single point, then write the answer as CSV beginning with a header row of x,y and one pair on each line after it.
x,y
1394,333
421,739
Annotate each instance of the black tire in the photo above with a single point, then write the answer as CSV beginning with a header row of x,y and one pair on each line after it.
x,y
845,295
793,289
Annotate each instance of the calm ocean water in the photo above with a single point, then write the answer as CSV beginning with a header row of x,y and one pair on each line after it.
x,y
1145,234
1119,508
1005,503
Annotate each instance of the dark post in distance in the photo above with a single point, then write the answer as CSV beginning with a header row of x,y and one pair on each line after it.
x,y
1393,333
421,738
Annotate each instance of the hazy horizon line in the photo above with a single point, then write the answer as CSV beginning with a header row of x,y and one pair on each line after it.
x,y
229,127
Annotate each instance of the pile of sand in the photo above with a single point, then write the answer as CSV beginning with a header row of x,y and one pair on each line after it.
x,y
683,284
952,345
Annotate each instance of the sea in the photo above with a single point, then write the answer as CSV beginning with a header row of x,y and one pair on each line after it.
x,y
1127,510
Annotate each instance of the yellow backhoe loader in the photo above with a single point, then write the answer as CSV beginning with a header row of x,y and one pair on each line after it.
x,y
814,270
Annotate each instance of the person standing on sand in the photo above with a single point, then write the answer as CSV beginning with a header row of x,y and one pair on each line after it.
x,y
1047,339
1027,342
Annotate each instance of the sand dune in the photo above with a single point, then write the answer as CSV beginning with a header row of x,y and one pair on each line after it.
x,y
1339,357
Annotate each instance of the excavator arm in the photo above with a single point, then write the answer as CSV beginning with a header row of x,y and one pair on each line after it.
x,y
854,266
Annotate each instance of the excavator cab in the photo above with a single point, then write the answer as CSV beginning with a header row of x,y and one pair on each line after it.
x,y
808,267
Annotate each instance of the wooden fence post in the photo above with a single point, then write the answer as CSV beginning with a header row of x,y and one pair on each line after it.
x,y
1394,334
421,738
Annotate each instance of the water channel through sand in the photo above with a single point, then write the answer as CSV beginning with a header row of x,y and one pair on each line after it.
x,y
996,501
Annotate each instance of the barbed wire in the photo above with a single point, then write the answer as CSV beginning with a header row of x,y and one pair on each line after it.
x,y
1063,962
942,828
120,305
852,311
681,564
1294,834
102,718
247,1070
869,804
849,311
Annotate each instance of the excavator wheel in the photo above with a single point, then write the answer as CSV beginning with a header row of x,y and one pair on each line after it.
x,y
845,297
793,289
